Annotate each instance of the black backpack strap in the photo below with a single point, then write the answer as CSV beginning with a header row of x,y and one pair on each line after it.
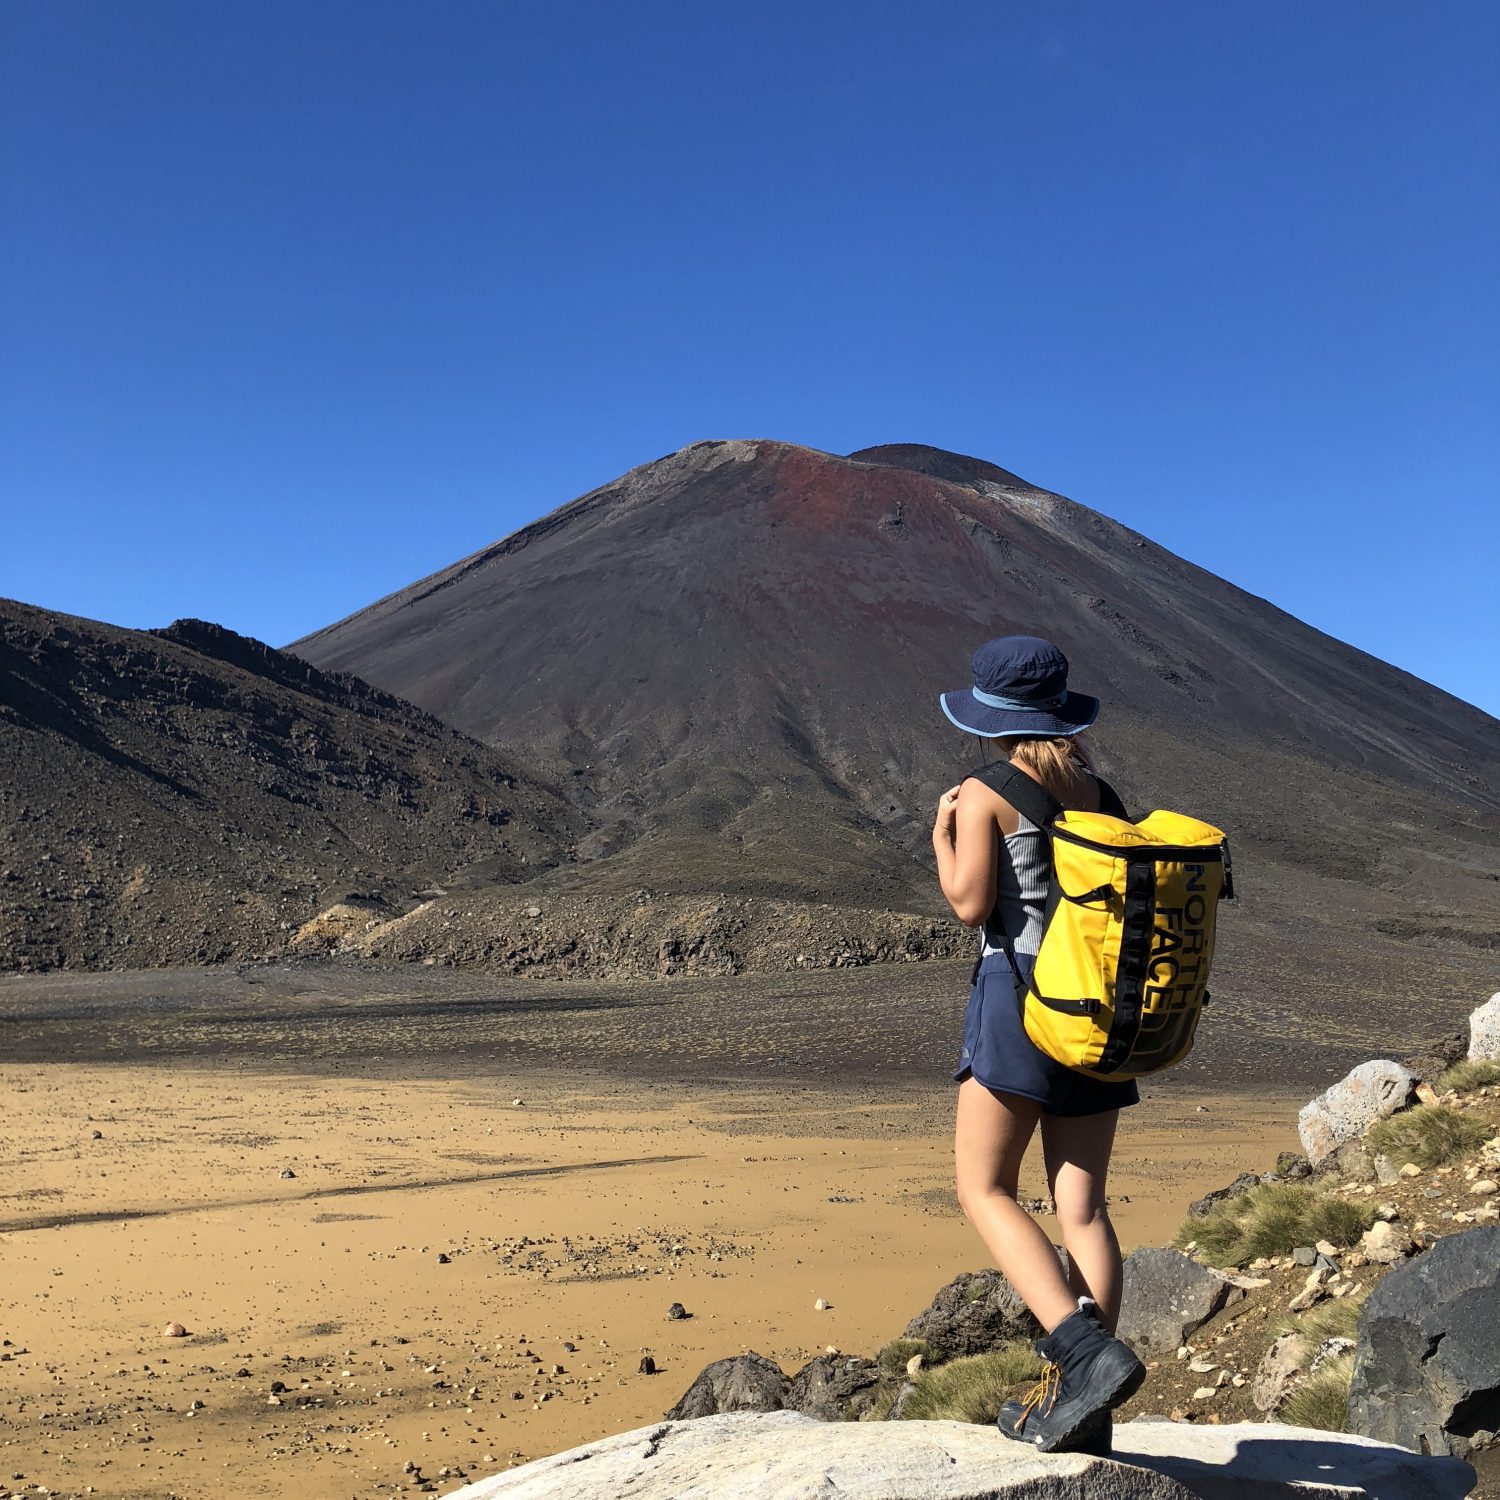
x,y
1029,798
1109,800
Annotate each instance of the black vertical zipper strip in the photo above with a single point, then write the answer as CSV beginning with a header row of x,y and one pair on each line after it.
x,y
1131,970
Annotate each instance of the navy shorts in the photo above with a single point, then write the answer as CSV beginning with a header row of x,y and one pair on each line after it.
x,y
1003,1058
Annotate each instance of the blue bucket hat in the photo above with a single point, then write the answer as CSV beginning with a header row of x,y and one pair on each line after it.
x,y
1020,687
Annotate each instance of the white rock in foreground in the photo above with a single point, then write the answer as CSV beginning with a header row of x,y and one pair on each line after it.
x,y
784,1455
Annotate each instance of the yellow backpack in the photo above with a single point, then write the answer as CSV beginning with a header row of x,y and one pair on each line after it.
x,y
1122,974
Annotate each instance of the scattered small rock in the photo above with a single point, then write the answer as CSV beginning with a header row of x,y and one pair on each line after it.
x,y
677,1312
1385,1244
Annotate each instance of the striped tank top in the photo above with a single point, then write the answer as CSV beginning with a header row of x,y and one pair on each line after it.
x,y
1020,892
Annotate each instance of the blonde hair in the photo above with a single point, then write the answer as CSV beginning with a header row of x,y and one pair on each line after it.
x,y
1062,765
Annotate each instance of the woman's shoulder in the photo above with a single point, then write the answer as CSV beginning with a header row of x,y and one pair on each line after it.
x,y
1019,812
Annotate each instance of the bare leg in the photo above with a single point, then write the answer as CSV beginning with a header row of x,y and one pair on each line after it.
x,y
1077,1155
990,1137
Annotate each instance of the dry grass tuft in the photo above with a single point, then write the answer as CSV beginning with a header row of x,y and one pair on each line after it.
x,y
1427,1136
893,1357
971,1389
1273,1219
1336,1319
1322,1400
1464,1077
1340,1221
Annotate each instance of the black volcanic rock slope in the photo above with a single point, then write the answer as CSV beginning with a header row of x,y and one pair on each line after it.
x,y
732,655
189,794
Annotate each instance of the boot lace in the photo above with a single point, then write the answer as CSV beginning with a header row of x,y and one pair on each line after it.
x,y
1040,1397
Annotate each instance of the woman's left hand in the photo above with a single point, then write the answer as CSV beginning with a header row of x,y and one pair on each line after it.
x,y
947,814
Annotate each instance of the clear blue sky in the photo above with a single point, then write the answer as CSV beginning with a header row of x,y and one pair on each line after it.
x,y
304,300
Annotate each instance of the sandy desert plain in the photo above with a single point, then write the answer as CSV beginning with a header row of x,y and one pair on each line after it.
x,y
418,1217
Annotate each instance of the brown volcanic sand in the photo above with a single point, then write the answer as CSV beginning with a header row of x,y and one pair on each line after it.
x,y
745,1202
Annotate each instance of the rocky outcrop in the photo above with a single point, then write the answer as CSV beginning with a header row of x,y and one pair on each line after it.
x,y
1484,1031
1241,1184
974,1313
646,935
1347,1110
1427,1364
834,1387
781,1455
1436,1055
1166,1297
190,795
748,1382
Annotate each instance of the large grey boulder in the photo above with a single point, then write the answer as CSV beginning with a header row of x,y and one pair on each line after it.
x,y
1484,1031
834,1387
747,1382
977,1311
787,1456
1347,1110
1427,1361
1167,1296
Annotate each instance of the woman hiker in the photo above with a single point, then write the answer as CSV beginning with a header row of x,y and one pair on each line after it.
x,y
993,864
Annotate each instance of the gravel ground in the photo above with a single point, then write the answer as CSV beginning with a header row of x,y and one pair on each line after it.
x,y
890,1024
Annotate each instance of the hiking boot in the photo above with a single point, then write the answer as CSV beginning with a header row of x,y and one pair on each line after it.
x,y
1088,1371
1097,1439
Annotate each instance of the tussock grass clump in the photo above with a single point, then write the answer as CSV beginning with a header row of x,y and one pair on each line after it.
x,y
1428,1136
1337,1319
1273,1219
1340,1221
1464,1077
970,1389
1322,1400
893,1357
